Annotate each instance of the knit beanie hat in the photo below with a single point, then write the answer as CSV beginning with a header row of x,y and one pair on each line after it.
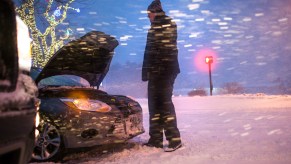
x,y
155,6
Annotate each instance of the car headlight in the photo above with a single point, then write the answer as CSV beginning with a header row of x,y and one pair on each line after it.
x,y
24,45
87,105
37,118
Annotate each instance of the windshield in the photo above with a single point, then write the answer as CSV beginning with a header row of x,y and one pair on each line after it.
x,y
64,80
59,80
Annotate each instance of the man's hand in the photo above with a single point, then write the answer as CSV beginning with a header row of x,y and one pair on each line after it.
x,y
145,76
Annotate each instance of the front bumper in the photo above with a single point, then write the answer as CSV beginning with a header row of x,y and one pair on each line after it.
x,y
92,131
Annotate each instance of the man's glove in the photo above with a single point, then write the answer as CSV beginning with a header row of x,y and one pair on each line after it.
x,y
145,76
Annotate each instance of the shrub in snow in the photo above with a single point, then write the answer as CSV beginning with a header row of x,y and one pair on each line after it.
x,y
197,92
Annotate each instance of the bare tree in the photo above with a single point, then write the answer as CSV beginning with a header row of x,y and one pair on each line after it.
x,y
232,88
52,13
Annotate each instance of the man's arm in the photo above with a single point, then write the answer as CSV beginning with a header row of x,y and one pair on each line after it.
x,y
146,60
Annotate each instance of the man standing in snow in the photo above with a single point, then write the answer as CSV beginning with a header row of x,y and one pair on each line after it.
x,y
160,69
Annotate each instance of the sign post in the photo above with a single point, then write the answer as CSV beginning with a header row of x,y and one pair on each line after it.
x,y
209,61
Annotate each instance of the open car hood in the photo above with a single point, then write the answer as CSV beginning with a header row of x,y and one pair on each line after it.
x,y
88,57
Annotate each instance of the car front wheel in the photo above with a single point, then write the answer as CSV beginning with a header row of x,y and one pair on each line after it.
x,y
48,144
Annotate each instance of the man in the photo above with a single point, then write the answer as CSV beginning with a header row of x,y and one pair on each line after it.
x,y
160,69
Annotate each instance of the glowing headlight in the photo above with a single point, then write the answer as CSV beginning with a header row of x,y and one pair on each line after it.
x,y
87,105
24,46
37,118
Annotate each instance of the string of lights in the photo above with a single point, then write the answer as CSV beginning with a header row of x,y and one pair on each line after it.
x,y
46,43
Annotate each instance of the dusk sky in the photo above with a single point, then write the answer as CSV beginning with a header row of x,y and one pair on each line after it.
x,y
249,39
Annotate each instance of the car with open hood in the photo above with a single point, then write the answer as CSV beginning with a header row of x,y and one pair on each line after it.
x,y
74,112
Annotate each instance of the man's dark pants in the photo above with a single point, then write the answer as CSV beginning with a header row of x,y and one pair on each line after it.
x,y
162,110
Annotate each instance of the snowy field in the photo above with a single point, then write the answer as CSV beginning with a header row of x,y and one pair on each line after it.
x,y
228,129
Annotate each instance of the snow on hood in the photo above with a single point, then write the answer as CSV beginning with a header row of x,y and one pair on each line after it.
x,y
25,90
88,57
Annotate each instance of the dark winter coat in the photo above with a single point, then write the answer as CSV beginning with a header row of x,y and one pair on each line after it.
x,y
161,53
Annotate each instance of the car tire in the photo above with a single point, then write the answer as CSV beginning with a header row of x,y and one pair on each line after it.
x,y
49,144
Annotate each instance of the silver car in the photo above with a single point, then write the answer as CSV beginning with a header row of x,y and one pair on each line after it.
x,y
74,111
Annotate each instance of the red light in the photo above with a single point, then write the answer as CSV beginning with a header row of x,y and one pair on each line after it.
x,y
208,59
201,57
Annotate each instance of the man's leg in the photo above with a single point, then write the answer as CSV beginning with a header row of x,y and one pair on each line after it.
x,y
155,122
168,111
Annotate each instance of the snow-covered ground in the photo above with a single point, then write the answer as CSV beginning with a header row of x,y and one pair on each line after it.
x,y
219,129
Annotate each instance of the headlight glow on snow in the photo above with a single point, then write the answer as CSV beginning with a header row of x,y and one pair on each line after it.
x,y
88,105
